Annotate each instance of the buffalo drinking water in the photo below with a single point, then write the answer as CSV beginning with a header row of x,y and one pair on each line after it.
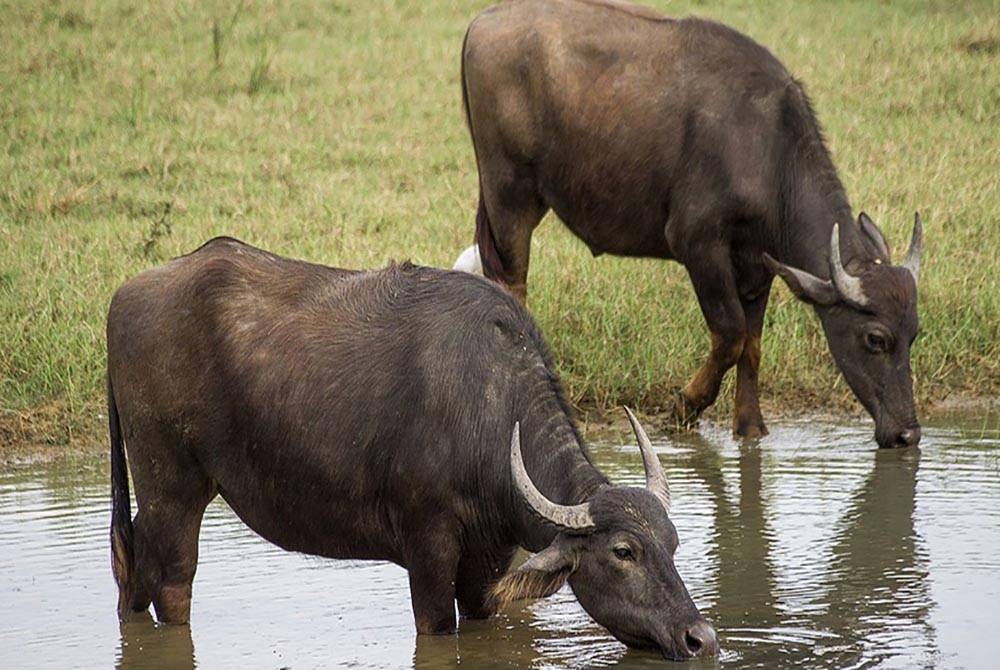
x,y
408,415
685,140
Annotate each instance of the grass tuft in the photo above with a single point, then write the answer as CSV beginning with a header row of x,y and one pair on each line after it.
x,y
133,111
983,45
221,35
159,229
259,70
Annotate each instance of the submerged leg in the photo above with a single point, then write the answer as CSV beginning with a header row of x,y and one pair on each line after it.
x,y
166,559
477,574
432,569
172,493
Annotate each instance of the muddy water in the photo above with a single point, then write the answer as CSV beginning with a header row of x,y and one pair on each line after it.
x,y
810,548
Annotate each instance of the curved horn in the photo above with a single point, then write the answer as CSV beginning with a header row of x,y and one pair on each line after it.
x,y
569,518
912,261
656,479
848,287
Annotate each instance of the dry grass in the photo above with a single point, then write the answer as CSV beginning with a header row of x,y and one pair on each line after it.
x,y
133,132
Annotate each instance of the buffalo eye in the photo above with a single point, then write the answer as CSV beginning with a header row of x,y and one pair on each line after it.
x,y
876,342
623,552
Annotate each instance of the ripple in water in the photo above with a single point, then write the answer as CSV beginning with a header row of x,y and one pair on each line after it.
x,y
809,548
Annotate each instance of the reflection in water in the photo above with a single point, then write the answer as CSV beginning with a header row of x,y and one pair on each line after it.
x,y
742,539
874,584
741,543
878,590
833,555
146,645
551,633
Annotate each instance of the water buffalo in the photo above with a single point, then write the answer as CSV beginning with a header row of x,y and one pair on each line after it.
x,y
369,415
684,139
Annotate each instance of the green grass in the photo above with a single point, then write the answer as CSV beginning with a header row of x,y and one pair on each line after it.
x,y
132,132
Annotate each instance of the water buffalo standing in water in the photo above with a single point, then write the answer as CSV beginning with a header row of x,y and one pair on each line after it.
x,y
369,415
684,139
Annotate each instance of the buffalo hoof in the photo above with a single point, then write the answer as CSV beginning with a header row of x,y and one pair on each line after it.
x,y
445,624
437,630
749,430
683,415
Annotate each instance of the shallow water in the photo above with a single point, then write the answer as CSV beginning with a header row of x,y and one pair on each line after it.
x,y
811,548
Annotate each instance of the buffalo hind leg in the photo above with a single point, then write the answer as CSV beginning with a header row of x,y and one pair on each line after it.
x,y
166,553
747,418
720,304
172,492
477,574
512,211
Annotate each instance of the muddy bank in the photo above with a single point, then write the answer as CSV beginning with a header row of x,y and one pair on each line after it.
x,y
55,430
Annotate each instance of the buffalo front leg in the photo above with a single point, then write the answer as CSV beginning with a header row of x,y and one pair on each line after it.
x,y
478,572
720,304
432,567
747,419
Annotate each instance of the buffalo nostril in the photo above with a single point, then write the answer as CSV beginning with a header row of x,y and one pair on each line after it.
x,y
700,639
692,642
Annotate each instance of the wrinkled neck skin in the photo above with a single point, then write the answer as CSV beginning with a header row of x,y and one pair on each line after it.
x,y
806,243
557,463
813,212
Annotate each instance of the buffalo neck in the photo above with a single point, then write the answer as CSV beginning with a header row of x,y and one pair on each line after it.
x,y
812,208
821,204
556,461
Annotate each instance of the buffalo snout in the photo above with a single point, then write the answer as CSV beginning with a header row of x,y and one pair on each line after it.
x,y
694,640
908,438
898,438
699,640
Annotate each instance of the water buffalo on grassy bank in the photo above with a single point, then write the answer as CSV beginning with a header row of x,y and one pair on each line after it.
x,y
684,139
409,415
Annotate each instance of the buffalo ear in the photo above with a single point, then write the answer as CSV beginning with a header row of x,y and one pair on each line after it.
x,y
875,235
806,287
540,576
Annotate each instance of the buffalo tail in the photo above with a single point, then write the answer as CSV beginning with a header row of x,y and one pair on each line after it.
x,y
122,552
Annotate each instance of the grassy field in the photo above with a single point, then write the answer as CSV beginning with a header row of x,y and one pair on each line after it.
x,y
333,131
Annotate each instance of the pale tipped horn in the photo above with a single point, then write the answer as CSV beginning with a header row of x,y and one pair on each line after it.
x,y
656,479
849,287
569,518
912,260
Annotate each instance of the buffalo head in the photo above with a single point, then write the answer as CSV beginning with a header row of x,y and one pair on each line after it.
x,y
870,320
617,553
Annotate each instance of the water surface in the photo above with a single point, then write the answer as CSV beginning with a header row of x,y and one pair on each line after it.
x,y
810,548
